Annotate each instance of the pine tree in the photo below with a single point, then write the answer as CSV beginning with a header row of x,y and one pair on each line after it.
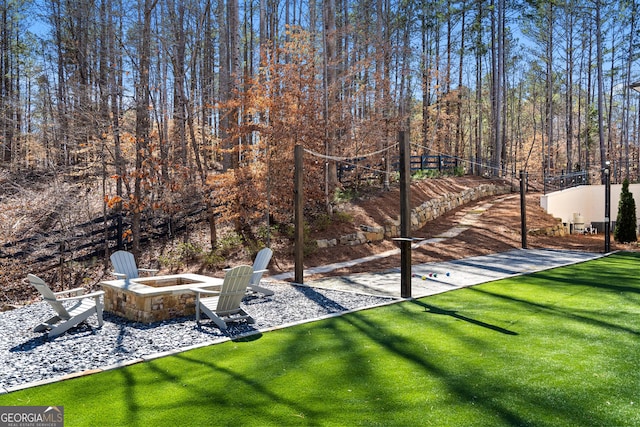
x,y
626,221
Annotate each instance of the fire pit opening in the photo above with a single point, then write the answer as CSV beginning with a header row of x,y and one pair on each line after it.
x,y
161,282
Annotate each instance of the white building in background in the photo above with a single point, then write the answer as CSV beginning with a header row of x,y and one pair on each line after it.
x,y
586,203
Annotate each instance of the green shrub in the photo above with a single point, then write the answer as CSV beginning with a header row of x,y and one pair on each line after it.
x,y
458,171
188,251
291,231
322,221
265,233
342,216
625,231
310,247
170,261
229,242
426,173
345,194
213,260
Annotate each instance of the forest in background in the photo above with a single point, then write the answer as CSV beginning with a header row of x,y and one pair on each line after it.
x,y
162,106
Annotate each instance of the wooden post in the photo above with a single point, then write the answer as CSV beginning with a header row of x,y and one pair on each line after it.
x,y
298,192
405,216
523,208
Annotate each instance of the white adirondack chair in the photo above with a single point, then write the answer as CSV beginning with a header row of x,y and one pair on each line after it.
x,y
124,265
223,305
259,267
66,318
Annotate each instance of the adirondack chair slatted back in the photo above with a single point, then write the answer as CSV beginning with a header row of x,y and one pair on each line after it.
x,y
125,263
80,307
260,264
233,289
49,296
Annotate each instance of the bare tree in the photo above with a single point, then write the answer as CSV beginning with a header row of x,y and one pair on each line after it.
x,y
498,89
331,93
143,125
600,76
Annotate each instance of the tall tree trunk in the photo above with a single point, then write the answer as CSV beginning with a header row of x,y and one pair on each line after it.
x,y
589,104
600,77
179,73
103,83
425,67
224,79
479,51
382,102
549,92
142,119
458,137
331,92
627,103
6,86
569,93
499,92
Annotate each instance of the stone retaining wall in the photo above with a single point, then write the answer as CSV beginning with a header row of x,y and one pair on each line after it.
x,y
556,230
420,216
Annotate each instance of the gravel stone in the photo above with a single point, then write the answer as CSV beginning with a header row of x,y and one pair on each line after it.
x,y
28,356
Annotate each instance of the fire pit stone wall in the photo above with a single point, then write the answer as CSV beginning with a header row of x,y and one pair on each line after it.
x,y
159,300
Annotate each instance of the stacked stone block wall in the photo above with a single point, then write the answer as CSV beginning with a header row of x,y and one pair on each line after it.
x,y
420,216
557,230
151,308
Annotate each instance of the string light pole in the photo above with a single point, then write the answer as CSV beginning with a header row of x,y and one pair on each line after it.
x,y
523,208
298,192
607,206
405,216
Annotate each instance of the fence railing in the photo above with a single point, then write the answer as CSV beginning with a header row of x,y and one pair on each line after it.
x,y
441,163
565,180
359,168
89,240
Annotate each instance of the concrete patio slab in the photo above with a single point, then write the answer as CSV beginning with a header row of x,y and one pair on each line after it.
x,y
434,278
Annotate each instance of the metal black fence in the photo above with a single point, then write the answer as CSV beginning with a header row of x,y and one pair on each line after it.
x,y
440,163
359,168
565,180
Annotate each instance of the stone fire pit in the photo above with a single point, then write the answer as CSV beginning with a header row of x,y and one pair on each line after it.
x,y
152,299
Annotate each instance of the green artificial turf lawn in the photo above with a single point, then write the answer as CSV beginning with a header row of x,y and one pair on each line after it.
x,y
555,348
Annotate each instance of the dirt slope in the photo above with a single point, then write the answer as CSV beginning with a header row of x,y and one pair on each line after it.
x,y
497,229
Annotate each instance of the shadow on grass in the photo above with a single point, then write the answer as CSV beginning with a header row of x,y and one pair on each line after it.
x,y
596,279
248,338
437,310
235,377
557,310
405,348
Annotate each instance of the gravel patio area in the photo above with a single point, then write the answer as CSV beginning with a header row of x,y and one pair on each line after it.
x,y
29,358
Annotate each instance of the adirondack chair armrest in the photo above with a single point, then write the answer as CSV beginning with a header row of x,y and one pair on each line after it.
x,y
90,295
255,271
74,291
151,271
204,291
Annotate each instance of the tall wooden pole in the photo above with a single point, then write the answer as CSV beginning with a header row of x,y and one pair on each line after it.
x,y
405,216
523,208
298,192
607,207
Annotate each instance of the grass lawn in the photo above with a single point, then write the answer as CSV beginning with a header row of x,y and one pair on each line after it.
x,y
555,348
